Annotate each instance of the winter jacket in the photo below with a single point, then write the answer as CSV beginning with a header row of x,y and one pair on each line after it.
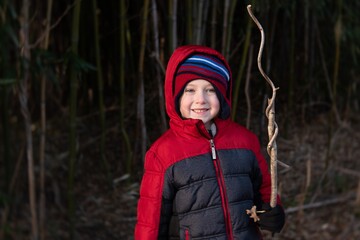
x,y
198,186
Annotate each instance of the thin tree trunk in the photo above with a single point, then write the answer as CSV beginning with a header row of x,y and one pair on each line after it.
x,y
337,36
213,24
241,70
128,149
247,86
163,125
203,38
292,56
189,21
23,97
335,112
172,25
272,27
100,93
141,92
42,213
72,120
7,165
229,33
326,71
198,24
225,25
306,66
5,88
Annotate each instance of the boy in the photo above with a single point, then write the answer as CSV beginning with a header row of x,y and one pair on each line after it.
x,y
204,172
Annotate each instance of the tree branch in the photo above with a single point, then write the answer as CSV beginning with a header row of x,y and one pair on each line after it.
x,y
270,114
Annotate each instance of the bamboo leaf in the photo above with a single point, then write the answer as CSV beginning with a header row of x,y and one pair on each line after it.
x,y
79,64
7,81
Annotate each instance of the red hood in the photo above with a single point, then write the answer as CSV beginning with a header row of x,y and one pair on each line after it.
x,y
179,55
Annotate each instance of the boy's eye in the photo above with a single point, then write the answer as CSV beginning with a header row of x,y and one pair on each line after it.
x,y
210,90
189,90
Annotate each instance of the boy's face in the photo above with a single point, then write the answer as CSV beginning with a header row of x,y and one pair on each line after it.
x,y
199,101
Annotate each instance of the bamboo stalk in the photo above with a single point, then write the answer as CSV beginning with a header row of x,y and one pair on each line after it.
x,y
23,98
189,22
42,207
326,72
307,66
229,33
72,120
128,149
40,39
246,89
172,24
334,114
4,108
204,20
163,125
225,25
241,70
292,56
270,114
272,29
141,92
198,23
337,35
100,92
213,24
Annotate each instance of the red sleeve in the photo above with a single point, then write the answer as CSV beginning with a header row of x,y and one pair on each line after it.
x,y
149,204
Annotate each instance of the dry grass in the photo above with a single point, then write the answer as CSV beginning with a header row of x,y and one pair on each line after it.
x,y
319,190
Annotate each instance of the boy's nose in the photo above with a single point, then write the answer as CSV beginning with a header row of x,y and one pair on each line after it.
x,y
200,97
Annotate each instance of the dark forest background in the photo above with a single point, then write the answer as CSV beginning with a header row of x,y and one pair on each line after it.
x,y
81,99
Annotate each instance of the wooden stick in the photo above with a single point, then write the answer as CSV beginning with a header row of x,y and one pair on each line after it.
x,y
270,114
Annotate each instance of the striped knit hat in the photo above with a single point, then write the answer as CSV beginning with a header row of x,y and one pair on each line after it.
x,y
201,66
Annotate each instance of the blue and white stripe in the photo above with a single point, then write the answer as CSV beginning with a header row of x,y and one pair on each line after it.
x,y
201,60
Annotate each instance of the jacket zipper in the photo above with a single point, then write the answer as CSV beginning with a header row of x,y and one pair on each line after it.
x,y
221,182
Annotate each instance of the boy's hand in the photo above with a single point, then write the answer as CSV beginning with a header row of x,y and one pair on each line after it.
x,y
273,219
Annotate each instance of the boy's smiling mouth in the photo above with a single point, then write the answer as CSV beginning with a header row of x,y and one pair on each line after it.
x,y
200,110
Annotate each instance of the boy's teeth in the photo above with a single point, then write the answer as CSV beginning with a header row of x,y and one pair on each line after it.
x,y
199,110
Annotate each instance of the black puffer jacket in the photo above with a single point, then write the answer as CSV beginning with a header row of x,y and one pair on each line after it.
x,y
196,186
